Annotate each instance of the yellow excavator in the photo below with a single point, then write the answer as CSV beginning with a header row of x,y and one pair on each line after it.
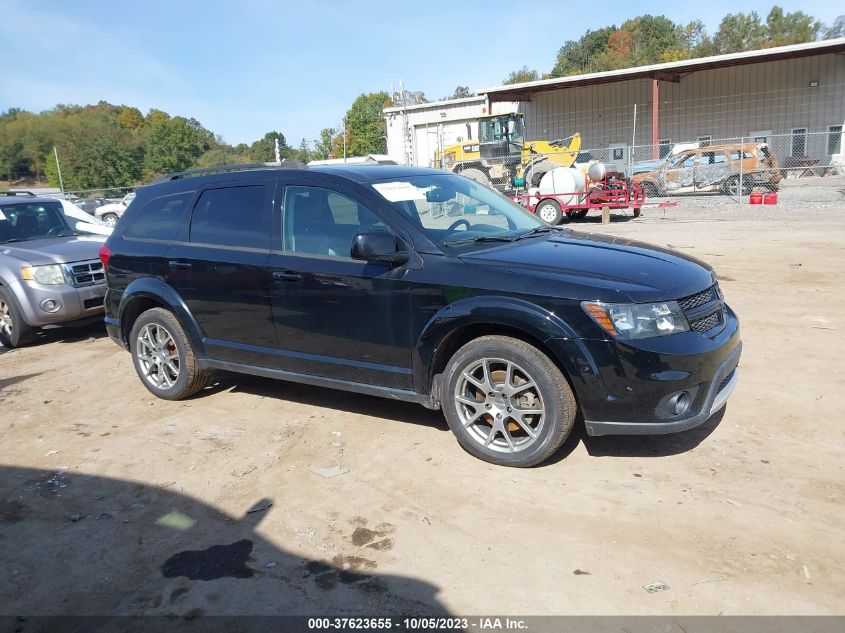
x,y
501,154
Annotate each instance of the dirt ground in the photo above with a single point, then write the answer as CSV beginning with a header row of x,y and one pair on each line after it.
x,y
114,502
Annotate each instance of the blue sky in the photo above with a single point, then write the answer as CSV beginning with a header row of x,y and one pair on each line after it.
x,y
253,66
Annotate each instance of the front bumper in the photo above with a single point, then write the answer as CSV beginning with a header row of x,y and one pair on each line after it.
x,y
718,391
75,303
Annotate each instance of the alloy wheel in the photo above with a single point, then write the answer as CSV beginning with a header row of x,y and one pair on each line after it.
x,y
5,319
158,356
500,405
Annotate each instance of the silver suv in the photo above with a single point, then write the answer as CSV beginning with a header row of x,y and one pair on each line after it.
x,y
49,272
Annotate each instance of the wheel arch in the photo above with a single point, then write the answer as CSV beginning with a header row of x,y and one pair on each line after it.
x,y
461,322
146,293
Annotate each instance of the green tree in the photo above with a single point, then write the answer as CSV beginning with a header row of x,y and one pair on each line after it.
x,y
264,149
130,118
12,160
222,155
576,56
323,146
837,29
461,92
521,75
739,32
173,145
95,155
365,125
796,27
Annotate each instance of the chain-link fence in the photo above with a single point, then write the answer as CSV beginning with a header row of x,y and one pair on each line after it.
x,y
735,166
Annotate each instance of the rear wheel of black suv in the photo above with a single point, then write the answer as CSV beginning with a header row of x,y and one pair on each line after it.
x,y
163,356
507,402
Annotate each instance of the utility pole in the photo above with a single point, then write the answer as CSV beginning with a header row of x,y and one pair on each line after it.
x,y
344,140
59,169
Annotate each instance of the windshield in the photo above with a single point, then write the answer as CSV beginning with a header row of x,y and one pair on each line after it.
x,y
503,128
452,209
32,221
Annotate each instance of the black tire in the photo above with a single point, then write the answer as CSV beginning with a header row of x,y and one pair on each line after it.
x,y
577,214
731,186
477,175
190,378
14,330
547,388
110,219
548,211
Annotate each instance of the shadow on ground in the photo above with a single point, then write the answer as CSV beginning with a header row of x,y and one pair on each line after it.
x,y
82,545
345,401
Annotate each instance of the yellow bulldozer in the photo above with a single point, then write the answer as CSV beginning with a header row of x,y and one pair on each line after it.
x,y
501,154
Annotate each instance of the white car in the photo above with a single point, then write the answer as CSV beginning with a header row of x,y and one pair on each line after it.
x,y
110,213
84,222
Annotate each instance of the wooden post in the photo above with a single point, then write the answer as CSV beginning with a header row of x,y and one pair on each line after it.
x,y
605,215
655,126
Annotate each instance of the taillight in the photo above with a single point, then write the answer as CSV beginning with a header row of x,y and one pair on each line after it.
x,y
104,254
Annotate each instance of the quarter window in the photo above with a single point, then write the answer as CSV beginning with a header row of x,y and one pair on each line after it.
x,y
159,219
232,216
323,222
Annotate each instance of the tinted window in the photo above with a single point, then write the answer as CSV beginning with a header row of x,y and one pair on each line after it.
x,y
323,222
232,216
159,218
33,221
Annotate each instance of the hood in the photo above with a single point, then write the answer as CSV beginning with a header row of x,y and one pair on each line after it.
x,y
60,250
600,267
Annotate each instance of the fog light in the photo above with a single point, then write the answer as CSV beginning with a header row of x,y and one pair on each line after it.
x,y
679,403
50,305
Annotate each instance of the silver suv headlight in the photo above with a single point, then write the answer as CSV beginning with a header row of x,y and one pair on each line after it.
x,y
637,320
50,275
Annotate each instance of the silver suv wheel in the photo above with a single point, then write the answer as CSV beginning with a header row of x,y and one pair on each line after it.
x,y
500,405
5,319
158,356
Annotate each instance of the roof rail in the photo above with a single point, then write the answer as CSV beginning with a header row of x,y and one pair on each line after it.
x,y
17,193
222,169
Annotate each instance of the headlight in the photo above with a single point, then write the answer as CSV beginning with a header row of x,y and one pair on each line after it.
x,y
637,320
50,275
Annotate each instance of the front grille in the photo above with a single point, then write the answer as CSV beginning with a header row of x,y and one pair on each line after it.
x,y
87,273
698,299
707,323
703,310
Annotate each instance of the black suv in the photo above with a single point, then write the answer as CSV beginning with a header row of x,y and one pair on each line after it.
x,y
418,285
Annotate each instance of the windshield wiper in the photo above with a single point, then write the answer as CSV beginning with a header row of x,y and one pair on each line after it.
x,y
483,238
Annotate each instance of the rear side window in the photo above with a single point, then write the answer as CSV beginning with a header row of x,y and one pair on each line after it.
x,y
232,216
159,218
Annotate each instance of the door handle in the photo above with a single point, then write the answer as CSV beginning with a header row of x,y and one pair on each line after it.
x,y
287,275
175,263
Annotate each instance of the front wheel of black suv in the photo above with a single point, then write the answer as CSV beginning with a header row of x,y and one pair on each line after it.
x,y
163,356
507,402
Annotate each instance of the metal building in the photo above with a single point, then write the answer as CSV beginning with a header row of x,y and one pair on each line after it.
x,y
796,93
415,132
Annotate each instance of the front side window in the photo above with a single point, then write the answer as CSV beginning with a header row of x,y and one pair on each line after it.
x,y
452,209
159,219
33,221
321,221
232,216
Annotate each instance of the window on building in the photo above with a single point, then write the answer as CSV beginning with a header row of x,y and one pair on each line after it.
x,y
665,145
704,141
799,141
618,153
232,216
159,219
834,139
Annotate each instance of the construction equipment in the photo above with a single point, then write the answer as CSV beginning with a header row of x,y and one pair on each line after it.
x,y
501,153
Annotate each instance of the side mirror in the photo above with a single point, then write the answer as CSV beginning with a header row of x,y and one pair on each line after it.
x,y
377,246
